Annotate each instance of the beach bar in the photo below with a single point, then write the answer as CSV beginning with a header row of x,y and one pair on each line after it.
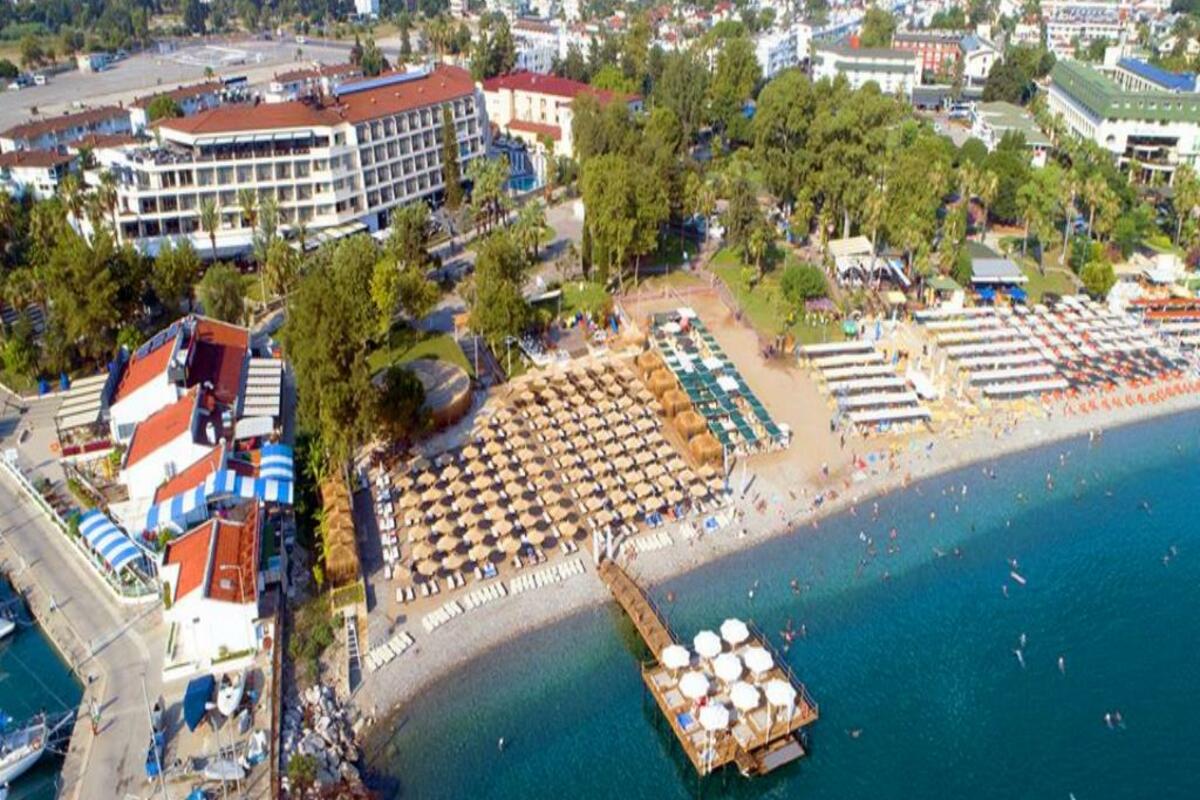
x,y
731,699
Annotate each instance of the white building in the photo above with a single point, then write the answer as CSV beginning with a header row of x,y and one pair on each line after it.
x,y
776,51
190,99
170,439
570,9
35,173
317,80
211,585
51,133
366,8
336,164
978,57
529,107
1139,113
894,71
991,121
1067,28
538,44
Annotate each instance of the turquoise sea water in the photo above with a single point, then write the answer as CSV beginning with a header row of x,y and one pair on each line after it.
x,y
33,677
922,662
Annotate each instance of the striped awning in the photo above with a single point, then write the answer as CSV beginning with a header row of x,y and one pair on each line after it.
x,y
117,549
222,484
276,463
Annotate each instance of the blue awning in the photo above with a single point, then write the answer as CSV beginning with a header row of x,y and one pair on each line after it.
x,y
277,463
117,549
195,700
224,483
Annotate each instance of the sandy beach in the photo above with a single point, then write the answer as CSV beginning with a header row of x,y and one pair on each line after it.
x,y
781,498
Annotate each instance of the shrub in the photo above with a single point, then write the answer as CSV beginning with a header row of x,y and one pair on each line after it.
x,y
801,282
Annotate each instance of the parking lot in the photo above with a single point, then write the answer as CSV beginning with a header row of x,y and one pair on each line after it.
x,y
139,74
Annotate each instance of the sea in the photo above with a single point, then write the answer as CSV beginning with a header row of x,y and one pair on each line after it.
x,y
910,648
33,678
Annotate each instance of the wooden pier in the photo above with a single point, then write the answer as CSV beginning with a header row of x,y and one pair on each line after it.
x,y
758,741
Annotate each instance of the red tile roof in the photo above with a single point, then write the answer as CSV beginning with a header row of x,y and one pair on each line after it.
x,y
551,85
218,355
180,93
98,140
34,158
144,368
319,71
235,557
553,131
444,84
162,427
190,551
36,128
192,476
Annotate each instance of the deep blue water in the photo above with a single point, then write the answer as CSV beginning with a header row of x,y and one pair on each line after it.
x,y
34,677
921,662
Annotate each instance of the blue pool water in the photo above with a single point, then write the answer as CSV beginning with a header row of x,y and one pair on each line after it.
x,y
921,662
34,678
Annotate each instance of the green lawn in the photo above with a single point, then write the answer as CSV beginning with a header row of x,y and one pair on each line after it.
x,y
406,344
763,304
586,296
677,279
1054,281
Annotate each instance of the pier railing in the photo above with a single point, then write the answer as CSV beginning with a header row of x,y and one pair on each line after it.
x,y
139,592
786,668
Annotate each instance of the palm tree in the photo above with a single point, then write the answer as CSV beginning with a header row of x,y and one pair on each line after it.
x,y
1066,198
210,221
248,201
756,248
301,231
1186,196
987,184
71,191
106,195
1027,206
8,219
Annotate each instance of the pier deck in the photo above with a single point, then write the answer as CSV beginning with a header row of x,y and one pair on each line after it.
x,y
757,741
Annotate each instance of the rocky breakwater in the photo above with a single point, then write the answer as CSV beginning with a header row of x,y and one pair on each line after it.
x,y
320,730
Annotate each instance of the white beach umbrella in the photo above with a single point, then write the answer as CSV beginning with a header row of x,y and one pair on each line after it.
x,y
675,656
714,717
780,694
693,685
744,696
707,644
758,661
734,631
728,667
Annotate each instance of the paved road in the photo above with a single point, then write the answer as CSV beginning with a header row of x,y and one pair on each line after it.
x,y
126,642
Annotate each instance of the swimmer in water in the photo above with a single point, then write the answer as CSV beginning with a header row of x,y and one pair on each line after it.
x,y
854,733
1004,589
500,744
1020,657
1108,719
1022,640
1062,665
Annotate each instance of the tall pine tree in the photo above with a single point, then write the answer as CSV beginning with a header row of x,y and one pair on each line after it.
x,y
450,169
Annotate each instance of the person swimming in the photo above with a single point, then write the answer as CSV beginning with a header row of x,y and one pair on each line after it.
x,y
500,744
1062,665
1020,657
1004,589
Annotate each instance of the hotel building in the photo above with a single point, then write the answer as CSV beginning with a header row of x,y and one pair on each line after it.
x,y
337,165
1137,112
894,71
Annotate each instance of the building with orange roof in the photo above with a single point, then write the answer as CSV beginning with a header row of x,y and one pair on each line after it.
x,y
168,441
533,107
36,173
190,98
338,162
212,587
53,132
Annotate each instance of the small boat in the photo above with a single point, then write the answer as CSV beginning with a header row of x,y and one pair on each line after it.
x,y
7,626
21,748
229,695
223,769
155,754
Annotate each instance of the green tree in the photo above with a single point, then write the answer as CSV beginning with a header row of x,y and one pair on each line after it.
x,y
489,192
222,294
1010,163
878,27
611,78
497,305
1185,196
756,247
737,73
682,88
88,319
451,174
195,15
210,222
801,282
1098,278
20,347
281,267
163,106
174,272
401,406
32,54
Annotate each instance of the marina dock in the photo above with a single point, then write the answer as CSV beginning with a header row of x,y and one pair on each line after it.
x,y
760,738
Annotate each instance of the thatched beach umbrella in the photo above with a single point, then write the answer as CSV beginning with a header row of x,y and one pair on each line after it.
x,y
511,544
448,544
428,567
480,553
423,550
454,561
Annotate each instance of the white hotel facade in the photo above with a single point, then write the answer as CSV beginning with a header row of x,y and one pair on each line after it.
x,y
335,166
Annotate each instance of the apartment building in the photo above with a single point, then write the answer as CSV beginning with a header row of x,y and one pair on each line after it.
x,y
1083,26
314,81
894,71
528,107
938,50
1140,114
776,51
334,165
190,99
51,133
538,43
35,173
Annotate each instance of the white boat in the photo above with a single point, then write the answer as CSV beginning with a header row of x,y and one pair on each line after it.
x,y
21,748
7,626
229,694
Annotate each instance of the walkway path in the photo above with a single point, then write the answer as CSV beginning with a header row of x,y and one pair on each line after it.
x,y
113,648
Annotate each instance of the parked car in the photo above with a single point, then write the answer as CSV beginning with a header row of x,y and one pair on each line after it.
x,y
39,79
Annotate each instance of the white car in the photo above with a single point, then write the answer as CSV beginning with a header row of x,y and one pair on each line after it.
x,y
39,79
301,40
